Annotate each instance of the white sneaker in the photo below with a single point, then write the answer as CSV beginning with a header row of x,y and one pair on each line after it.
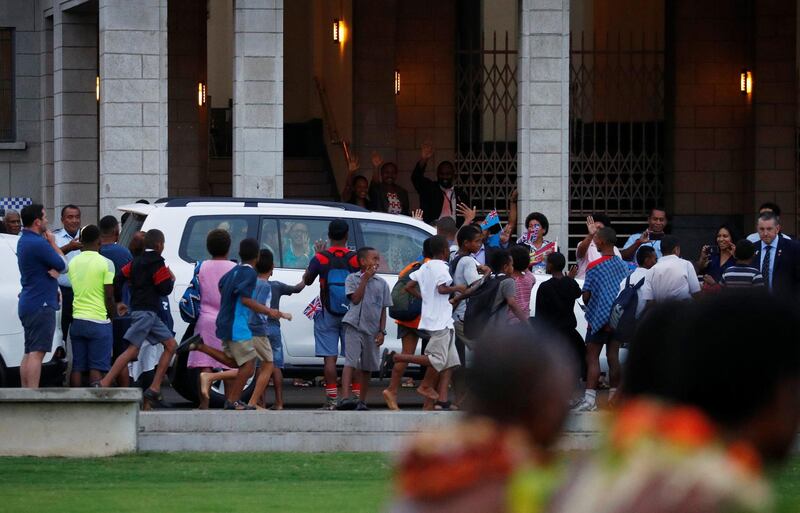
x,y
585,406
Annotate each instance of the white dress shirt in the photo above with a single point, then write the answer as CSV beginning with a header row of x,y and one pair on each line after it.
x,y
672,278
62,239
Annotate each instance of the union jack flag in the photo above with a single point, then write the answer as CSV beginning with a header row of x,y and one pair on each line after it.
x,y
313,309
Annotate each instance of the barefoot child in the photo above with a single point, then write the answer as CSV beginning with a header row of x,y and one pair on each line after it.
x,y
364,326
432,282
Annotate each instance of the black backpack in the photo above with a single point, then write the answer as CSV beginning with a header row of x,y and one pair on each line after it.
x,y
479,307
405,307
623,312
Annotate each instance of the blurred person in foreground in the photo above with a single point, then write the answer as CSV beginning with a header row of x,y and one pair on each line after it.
x,y
497,458
689,436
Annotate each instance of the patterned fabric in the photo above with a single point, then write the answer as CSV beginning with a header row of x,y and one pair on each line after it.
x,y
13,203
522,296
741,276
395,206
602,280
313,309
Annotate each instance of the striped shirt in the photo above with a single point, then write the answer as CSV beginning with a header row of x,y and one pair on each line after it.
x,y
741,276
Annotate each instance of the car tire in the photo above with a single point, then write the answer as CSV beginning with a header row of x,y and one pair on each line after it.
x,y
3,374
187,380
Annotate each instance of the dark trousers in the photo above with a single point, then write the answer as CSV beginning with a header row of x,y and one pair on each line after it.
x,y
66,310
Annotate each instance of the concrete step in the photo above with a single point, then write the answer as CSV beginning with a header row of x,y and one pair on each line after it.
x,y
312,431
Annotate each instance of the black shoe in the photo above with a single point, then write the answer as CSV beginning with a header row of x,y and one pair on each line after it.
x,y
362,406
387,362
155,400
190,344
348,404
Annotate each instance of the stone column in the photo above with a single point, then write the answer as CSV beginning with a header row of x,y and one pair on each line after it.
x,y
543,126
75,112
258,98
46,116
133,101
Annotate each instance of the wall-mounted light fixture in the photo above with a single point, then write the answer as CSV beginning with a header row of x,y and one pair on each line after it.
x,y
746,82
201,94
396,82
337,31
97,88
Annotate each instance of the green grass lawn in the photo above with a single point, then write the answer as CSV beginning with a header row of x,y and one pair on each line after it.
x,y
214,482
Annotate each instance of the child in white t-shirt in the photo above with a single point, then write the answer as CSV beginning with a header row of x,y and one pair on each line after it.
x,y
432,282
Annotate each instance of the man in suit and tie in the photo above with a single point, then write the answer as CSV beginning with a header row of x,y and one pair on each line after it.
x,y
778,258
440,198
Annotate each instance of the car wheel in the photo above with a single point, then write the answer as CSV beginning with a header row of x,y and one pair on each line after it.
x,y
186,381
3,374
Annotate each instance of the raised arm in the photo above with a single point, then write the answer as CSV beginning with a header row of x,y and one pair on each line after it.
x,y
583,246
352,168
418,175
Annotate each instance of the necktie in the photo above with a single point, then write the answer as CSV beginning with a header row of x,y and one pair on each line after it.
x,y
765,267
447,208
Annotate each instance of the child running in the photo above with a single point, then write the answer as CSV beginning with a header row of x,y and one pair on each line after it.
x,y
432,282
364,327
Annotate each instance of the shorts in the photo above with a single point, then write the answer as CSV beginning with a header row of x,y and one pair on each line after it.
x,y
92,345
146,325
242,351
120,325
402,331
441,350
262,348
362,351
40,327
276,342
328,330
601,337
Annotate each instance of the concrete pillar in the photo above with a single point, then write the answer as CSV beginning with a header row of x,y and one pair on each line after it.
x,y
75,112
543,126
258,98
133,101
46,116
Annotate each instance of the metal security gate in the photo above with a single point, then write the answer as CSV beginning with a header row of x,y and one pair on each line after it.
x,y
486,121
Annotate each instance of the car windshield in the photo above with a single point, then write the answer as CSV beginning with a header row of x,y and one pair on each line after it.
x,y
131,223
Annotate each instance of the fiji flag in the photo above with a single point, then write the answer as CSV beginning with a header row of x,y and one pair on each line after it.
x,y
313,309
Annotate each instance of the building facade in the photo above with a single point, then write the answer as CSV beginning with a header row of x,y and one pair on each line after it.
x,y
104,102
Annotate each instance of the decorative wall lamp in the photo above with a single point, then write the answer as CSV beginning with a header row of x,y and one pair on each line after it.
x,y
201,94
337,31
396,82
97,88
746,82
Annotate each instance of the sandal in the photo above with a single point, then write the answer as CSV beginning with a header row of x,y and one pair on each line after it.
x,y
238,406
302,383
408,383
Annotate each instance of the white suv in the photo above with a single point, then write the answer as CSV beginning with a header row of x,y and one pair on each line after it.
x,y
186,222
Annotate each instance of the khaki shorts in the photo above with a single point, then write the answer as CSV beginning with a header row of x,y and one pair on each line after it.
x,y
263,348
241,351
441,350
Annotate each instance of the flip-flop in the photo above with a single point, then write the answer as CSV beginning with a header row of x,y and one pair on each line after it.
x,y
302,384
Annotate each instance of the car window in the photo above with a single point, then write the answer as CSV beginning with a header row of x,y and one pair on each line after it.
x,y
297,240
269,239
398,244
193,243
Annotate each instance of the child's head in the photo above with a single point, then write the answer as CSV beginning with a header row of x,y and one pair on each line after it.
x,y
646,257
90,237
555,263
520,257
338,231
154,239
519,359
218,243
368,257
439,248
265,263
248,251
744,251
670,245
446,227
605,238
469,239
500,261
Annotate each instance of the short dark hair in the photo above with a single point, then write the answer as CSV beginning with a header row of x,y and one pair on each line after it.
x,y
248,250
643,253
153,238
770,206
447,225
108,225
602,218
68,207
607,234
426,248
265,261
445,163
686,353
438,245
744,250
659,208
557,260
90,234
498,259
338,229
363,252
769,216
360,177
31,213
521,257
218,242
467,233
538,216
668,244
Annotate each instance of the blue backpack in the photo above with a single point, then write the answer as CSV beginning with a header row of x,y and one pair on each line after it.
x,y
623,312
333,294
189,305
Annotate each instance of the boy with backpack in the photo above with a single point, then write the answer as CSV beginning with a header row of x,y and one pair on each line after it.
x,y
364,326
332,265
630,303
432,282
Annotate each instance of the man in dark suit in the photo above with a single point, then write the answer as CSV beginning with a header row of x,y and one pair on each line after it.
x,y
440,198
778,258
